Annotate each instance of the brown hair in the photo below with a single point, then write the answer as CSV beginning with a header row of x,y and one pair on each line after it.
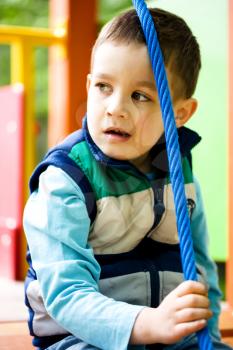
x,y
179,46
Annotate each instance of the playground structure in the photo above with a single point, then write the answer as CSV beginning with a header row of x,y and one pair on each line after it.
x,y
70,37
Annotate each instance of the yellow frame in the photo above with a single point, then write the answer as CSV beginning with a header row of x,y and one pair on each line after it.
x,y
22,41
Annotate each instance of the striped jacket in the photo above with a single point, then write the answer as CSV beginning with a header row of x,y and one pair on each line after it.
x,y
132,224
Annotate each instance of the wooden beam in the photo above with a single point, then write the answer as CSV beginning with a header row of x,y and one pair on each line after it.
x,y
69,65
15,335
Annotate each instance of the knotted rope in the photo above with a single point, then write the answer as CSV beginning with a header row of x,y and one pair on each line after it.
x,y
173,153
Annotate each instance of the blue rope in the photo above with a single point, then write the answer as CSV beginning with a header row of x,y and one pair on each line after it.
x,y
173,152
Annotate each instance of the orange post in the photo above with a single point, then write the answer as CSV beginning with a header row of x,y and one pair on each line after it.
x,y
69,67
229,265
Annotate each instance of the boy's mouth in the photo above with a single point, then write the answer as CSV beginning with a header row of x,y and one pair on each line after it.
x,y
117,132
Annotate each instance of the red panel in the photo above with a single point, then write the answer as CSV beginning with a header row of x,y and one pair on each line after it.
x,y
11,191
8,250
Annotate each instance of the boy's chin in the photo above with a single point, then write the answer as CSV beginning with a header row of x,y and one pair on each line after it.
x,y
120,152
116,156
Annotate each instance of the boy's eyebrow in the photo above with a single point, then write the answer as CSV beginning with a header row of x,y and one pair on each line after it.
x,y
146,83
103,76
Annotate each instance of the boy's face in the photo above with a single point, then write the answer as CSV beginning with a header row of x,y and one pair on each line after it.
x,y
123,112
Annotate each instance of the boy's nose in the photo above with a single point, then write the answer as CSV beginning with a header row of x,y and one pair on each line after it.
x,y
117,107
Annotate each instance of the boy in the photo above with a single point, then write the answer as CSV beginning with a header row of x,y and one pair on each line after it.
x,y
100,222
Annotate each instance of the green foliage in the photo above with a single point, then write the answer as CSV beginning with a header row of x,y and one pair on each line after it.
x,y
110,8
41,77
24,12
4,65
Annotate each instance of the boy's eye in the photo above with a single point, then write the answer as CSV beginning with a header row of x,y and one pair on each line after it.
x,y
138,96
103,87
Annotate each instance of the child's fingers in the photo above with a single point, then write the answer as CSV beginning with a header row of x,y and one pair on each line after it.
x,y
184,329
190,314
192,301
191,287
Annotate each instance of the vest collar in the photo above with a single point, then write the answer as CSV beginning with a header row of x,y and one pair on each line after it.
x,y
187,138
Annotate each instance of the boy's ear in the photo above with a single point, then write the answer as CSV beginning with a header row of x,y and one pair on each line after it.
x,y
184,111
88,82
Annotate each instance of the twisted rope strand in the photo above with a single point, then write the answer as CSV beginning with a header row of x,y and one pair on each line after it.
x,y
173,152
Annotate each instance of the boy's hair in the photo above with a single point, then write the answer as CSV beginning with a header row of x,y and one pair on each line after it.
x,y
179,46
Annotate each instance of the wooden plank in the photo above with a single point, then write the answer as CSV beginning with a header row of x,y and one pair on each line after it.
x,y
18,342
13,328
15,335
226,321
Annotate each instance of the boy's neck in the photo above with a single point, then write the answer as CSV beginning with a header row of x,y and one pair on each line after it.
x,y
143,163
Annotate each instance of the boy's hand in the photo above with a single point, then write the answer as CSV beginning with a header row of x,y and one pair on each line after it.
x,y
184,311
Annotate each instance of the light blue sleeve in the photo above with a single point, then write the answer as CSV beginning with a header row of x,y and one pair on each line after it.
x,y
200,242
57,226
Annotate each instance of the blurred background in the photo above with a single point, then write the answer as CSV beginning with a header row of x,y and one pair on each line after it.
x,y
44,59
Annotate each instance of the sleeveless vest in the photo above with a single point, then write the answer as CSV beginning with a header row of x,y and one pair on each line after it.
x,y
133,225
